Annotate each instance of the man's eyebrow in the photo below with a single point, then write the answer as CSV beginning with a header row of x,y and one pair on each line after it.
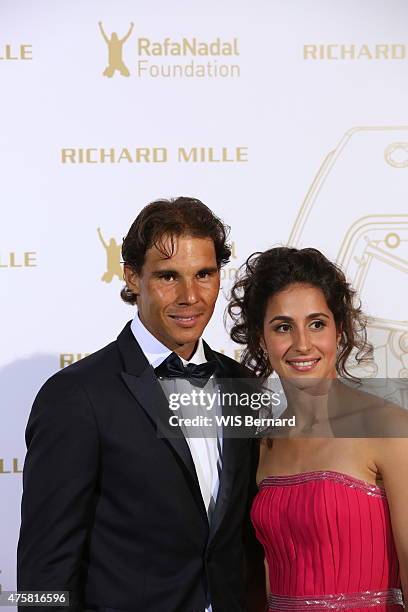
x,y
208,270
313,315
166,272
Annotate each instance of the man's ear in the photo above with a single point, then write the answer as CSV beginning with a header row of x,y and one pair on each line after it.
x,y
132,279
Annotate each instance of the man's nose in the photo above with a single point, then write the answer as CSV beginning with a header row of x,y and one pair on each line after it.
x,y
188,292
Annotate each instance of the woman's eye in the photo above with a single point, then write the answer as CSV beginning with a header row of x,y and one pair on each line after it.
x,y
284,327
317,324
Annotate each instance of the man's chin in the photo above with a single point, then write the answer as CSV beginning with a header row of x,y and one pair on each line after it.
x,y
188,337
187,334
182,339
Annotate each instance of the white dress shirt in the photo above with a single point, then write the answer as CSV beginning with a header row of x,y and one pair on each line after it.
x,y
205,451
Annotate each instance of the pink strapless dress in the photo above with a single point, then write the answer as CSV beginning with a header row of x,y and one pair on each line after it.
x,y
328,542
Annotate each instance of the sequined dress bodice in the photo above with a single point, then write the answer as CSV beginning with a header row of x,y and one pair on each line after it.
x,y
325,534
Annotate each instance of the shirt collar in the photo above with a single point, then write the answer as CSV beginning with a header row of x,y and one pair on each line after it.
x,y
156,352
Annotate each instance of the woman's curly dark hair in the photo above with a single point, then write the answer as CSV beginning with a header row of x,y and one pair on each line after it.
x,y
265,274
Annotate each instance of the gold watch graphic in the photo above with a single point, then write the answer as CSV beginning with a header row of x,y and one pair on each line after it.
x,y
359,197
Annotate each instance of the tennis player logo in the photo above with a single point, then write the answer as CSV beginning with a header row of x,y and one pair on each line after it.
x,y
113,265
115,52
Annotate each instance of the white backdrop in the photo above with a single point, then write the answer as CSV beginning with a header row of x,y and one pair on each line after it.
x,y
309,146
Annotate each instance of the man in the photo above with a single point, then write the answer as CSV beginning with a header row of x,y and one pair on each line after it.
x,y
121,518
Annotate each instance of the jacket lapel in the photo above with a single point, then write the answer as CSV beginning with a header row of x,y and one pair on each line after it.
x,y
230,450
141,381
230,464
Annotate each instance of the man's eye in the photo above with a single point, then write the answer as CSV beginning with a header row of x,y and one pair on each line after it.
x,y
167,277
203,274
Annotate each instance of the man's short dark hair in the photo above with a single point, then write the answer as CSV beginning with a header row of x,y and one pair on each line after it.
x,y
163,219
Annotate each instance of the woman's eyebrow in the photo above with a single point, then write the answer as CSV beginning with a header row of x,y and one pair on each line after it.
x,y
313,315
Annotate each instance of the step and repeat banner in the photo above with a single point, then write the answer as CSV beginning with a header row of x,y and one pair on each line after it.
x,y
287,118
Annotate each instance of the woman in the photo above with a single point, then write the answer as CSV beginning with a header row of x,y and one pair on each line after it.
x,y
331,512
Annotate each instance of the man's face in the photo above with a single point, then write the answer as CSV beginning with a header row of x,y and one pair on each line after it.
x,y
176,295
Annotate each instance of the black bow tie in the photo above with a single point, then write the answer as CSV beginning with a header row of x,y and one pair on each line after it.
x,y
197,374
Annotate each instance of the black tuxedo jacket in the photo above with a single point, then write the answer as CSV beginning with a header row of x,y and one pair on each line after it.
x,y
114,514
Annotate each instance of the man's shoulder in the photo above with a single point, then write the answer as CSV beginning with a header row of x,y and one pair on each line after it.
x,y
102,359
92,369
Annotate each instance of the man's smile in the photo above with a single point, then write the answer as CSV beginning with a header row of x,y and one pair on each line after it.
x,y
185,320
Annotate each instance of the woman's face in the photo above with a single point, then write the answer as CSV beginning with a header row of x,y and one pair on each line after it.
x,y
300,333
